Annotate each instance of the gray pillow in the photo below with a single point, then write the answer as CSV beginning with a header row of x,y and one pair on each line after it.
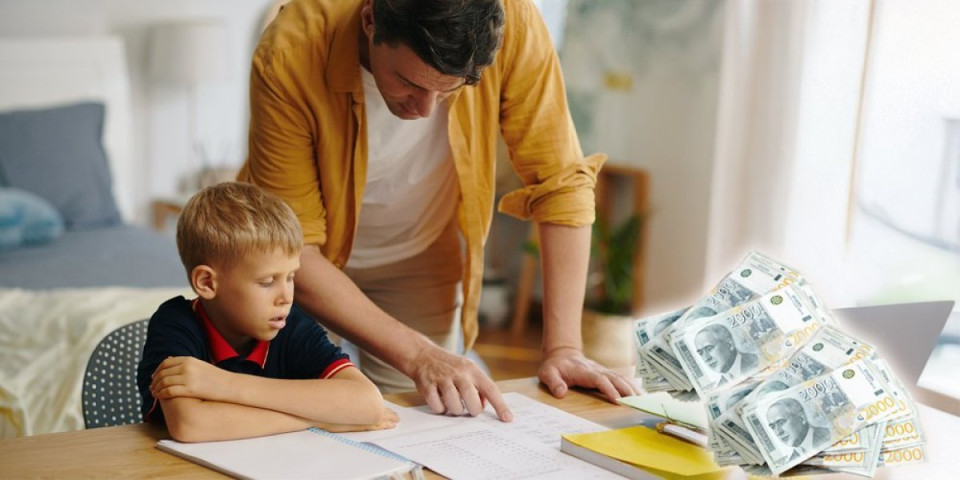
x,y
56,153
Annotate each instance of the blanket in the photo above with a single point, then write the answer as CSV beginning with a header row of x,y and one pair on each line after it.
x,y
46,338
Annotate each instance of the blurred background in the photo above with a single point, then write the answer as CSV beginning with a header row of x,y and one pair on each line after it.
x,y
825,134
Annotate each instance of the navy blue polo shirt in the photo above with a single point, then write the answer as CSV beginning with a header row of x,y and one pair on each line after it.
x,y
301,349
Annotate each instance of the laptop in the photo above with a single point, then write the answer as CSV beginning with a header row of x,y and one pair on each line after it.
x,y
904,333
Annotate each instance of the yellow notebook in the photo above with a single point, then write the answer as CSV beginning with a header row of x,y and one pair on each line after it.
x,y
640,452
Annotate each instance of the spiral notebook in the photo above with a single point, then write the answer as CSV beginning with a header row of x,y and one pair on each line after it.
x,y
312,453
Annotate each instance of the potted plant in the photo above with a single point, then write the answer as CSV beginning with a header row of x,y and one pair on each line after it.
x,y
612,251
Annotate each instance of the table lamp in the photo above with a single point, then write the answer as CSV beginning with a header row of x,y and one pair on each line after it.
x,y
189,53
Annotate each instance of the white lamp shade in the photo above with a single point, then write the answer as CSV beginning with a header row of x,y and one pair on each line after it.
x,y
189,52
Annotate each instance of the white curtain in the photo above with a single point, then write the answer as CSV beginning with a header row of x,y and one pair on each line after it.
x,y
786,134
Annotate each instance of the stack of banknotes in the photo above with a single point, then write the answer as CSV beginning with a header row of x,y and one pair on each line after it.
x,y
786,390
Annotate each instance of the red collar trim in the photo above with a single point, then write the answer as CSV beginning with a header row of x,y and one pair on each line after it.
x,y
220,348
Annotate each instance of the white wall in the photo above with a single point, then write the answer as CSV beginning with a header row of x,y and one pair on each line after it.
x,y
160,112
647,74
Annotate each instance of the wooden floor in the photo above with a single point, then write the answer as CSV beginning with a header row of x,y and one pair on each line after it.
x,y
509,356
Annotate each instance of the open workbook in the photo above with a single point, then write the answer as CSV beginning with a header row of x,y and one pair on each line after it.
x,y
310,453
481,448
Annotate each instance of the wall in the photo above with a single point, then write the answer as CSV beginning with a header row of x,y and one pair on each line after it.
x,y
160,112
643,82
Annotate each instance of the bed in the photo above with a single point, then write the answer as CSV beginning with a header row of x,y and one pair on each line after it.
x,y
73,266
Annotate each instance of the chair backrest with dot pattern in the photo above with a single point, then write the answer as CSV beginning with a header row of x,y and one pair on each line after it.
x,y
110,396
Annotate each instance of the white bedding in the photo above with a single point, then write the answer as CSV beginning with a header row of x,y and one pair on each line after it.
x,y
46,338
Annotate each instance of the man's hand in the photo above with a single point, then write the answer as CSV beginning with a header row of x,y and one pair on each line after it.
x,y
455,385
388,419
567,367
189,377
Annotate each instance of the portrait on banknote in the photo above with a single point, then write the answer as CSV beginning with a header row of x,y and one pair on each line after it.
x,y
715,345
792,426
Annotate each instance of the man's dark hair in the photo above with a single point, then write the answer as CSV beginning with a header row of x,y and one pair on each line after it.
x,y
457,37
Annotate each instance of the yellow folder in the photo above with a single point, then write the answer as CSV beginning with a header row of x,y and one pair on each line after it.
x,y
643,448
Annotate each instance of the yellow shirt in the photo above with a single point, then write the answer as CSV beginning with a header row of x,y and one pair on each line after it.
x,y
308,138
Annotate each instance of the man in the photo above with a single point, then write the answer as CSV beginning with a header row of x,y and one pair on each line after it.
x,y
377,121
788,421
715,345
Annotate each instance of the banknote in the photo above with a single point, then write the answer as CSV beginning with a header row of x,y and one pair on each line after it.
x,y
716,404
786,390
734,345
644,329
649,327
829,348
798,471
900,392
901,434
903,456
854,443
755,275
863,461
797,423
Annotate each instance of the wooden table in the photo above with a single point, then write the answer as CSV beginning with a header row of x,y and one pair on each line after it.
x,y
128,451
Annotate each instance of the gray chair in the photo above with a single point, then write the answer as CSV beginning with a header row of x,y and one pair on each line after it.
x,y
110,396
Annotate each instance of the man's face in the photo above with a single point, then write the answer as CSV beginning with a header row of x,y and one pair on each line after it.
x,y
716,348
790,426
411,88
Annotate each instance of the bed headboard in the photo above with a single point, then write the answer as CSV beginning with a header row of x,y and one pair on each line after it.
x,y
42,72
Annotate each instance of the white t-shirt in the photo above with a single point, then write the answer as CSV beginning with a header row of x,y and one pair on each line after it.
x,y
411,191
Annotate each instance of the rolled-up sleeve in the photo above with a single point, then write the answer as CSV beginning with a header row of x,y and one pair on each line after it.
x,y
282,153
565,198
536,125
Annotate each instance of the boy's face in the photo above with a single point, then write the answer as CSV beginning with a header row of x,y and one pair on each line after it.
x,y
253,297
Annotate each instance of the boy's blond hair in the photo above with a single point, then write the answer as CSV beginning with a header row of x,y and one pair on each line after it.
x,y
224,222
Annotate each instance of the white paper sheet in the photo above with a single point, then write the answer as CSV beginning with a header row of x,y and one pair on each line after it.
x,y
484,447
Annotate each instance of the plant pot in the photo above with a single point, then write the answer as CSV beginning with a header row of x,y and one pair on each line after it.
x,y
608,339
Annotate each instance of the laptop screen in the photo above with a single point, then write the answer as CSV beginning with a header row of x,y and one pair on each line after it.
x,y
904,333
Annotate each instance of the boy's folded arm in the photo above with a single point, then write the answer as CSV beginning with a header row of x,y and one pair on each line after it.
x,y
348,397
192,419
195,420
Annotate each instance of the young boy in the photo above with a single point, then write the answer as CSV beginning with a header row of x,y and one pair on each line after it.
x,y
241,360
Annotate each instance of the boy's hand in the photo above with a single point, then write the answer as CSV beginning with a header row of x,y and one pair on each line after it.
x,y
388,419
188,377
